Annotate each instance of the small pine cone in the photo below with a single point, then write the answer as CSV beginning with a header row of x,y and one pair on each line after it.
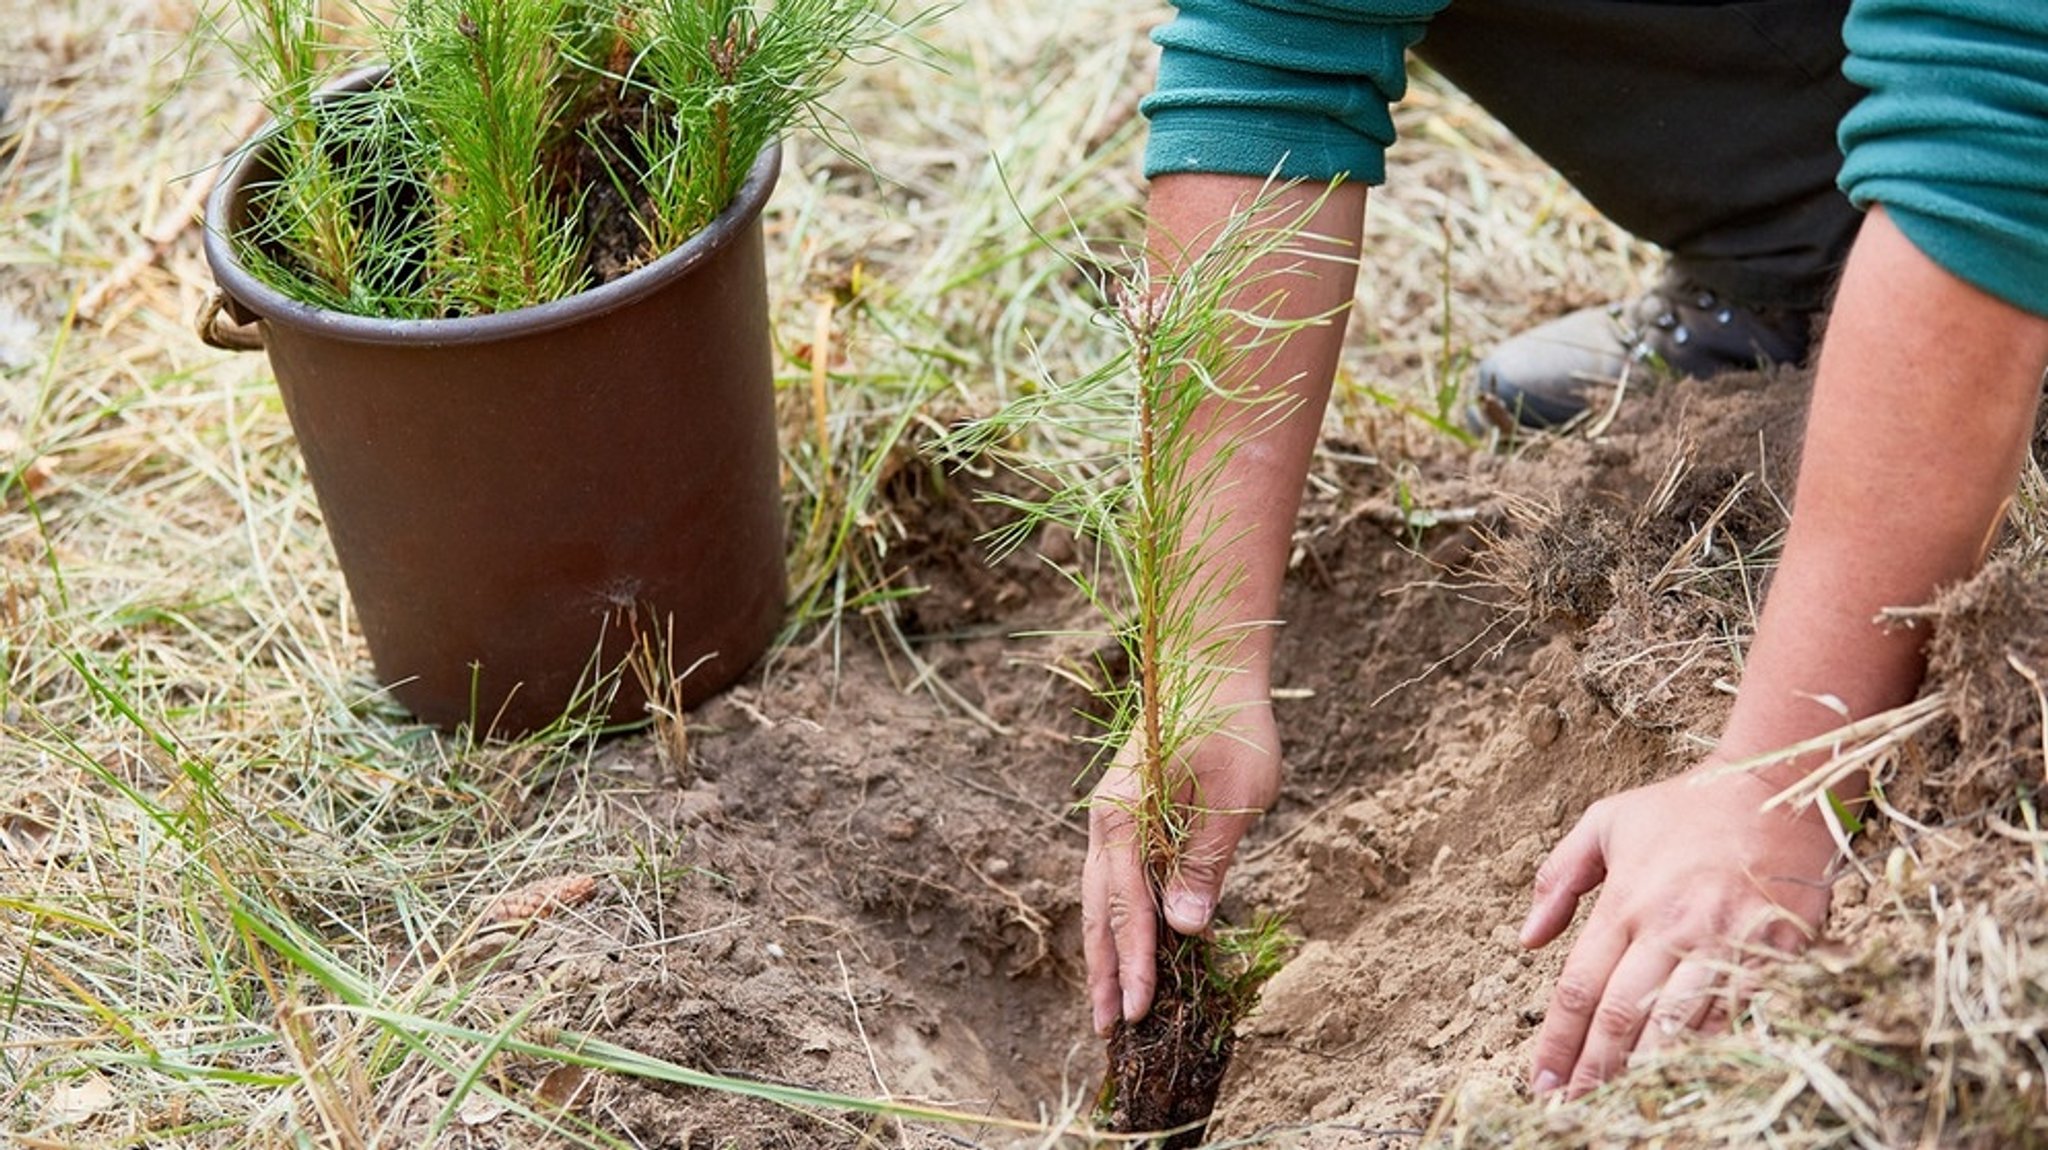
x,y
539,899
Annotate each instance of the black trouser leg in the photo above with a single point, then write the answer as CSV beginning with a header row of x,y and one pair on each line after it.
x,y
1705,128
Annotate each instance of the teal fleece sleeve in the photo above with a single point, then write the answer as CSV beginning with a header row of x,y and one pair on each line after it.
x,y
1300,88
1953,136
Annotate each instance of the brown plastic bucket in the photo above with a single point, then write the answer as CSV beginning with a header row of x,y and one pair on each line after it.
x,y
517,499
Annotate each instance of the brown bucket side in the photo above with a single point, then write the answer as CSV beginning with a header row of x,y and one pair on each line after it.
x,y
514,498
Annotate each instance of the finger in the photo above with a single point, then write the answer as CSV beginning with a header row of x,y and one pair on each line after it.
x,y
1120,931
1682,1005
1197,879
1098,943
1744,977
1575,867
1775,935
1780,932
1109,832
1619,1019
1715,1021
1573,1000
1136,930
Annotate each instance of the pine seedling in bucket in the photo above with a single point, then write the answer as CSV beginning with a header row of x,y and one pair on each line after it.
x,y
516,152
508,263
1130,458
287,48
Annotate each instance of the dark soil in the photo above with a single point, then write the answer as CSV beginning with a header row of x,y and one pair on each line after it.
x,y
589,178
1166,1068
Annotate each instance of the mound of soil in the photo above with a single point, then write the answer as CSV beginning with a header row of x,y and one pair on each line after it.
x,y
1581,650
878,893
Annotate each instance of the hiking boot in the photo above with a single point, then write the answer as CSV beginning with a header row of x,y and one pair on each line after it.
x,y
1547,376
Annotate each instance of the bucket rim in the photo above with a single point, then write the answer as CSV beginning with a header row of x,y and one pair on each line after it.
x,y
244,289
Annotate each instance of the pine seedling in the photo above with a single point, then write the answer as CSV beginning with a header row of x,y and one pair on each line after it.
x,y
1132,457
725,77
489,88
307,209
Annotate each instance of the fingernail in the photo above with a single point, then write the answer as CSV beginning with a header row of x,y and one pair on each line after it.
x,y
1188,910
1131,1005
1546,1082
1102,1020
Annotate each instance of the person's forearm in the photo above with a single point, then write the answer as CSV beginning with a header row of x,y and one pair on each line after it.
x,y
1260,485
1923,405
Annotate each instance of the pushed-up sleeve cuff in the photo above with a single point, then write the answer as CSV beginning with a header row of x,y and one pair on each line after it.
x,y
1294,88
1953,136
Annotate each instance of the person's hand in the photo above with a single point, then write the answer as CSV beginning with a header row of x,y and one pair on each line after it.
x,y
1234,774
1700,884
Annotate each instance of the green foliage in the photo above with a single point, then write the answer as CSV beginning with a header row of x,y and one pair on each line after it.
x,y
1851,823
487,89
462,183
728,77
1246,958
307,210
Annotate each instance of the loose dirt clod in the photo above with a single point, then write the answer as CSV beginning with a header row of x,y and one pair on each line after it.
x,y
1989,654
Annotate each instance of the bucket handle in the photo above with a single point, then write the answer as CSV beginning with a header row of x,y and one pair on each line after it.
x,y
221,325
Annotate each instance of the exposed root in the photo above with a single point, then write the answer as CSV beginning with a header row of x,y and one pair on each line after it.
x,y
1166,1068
